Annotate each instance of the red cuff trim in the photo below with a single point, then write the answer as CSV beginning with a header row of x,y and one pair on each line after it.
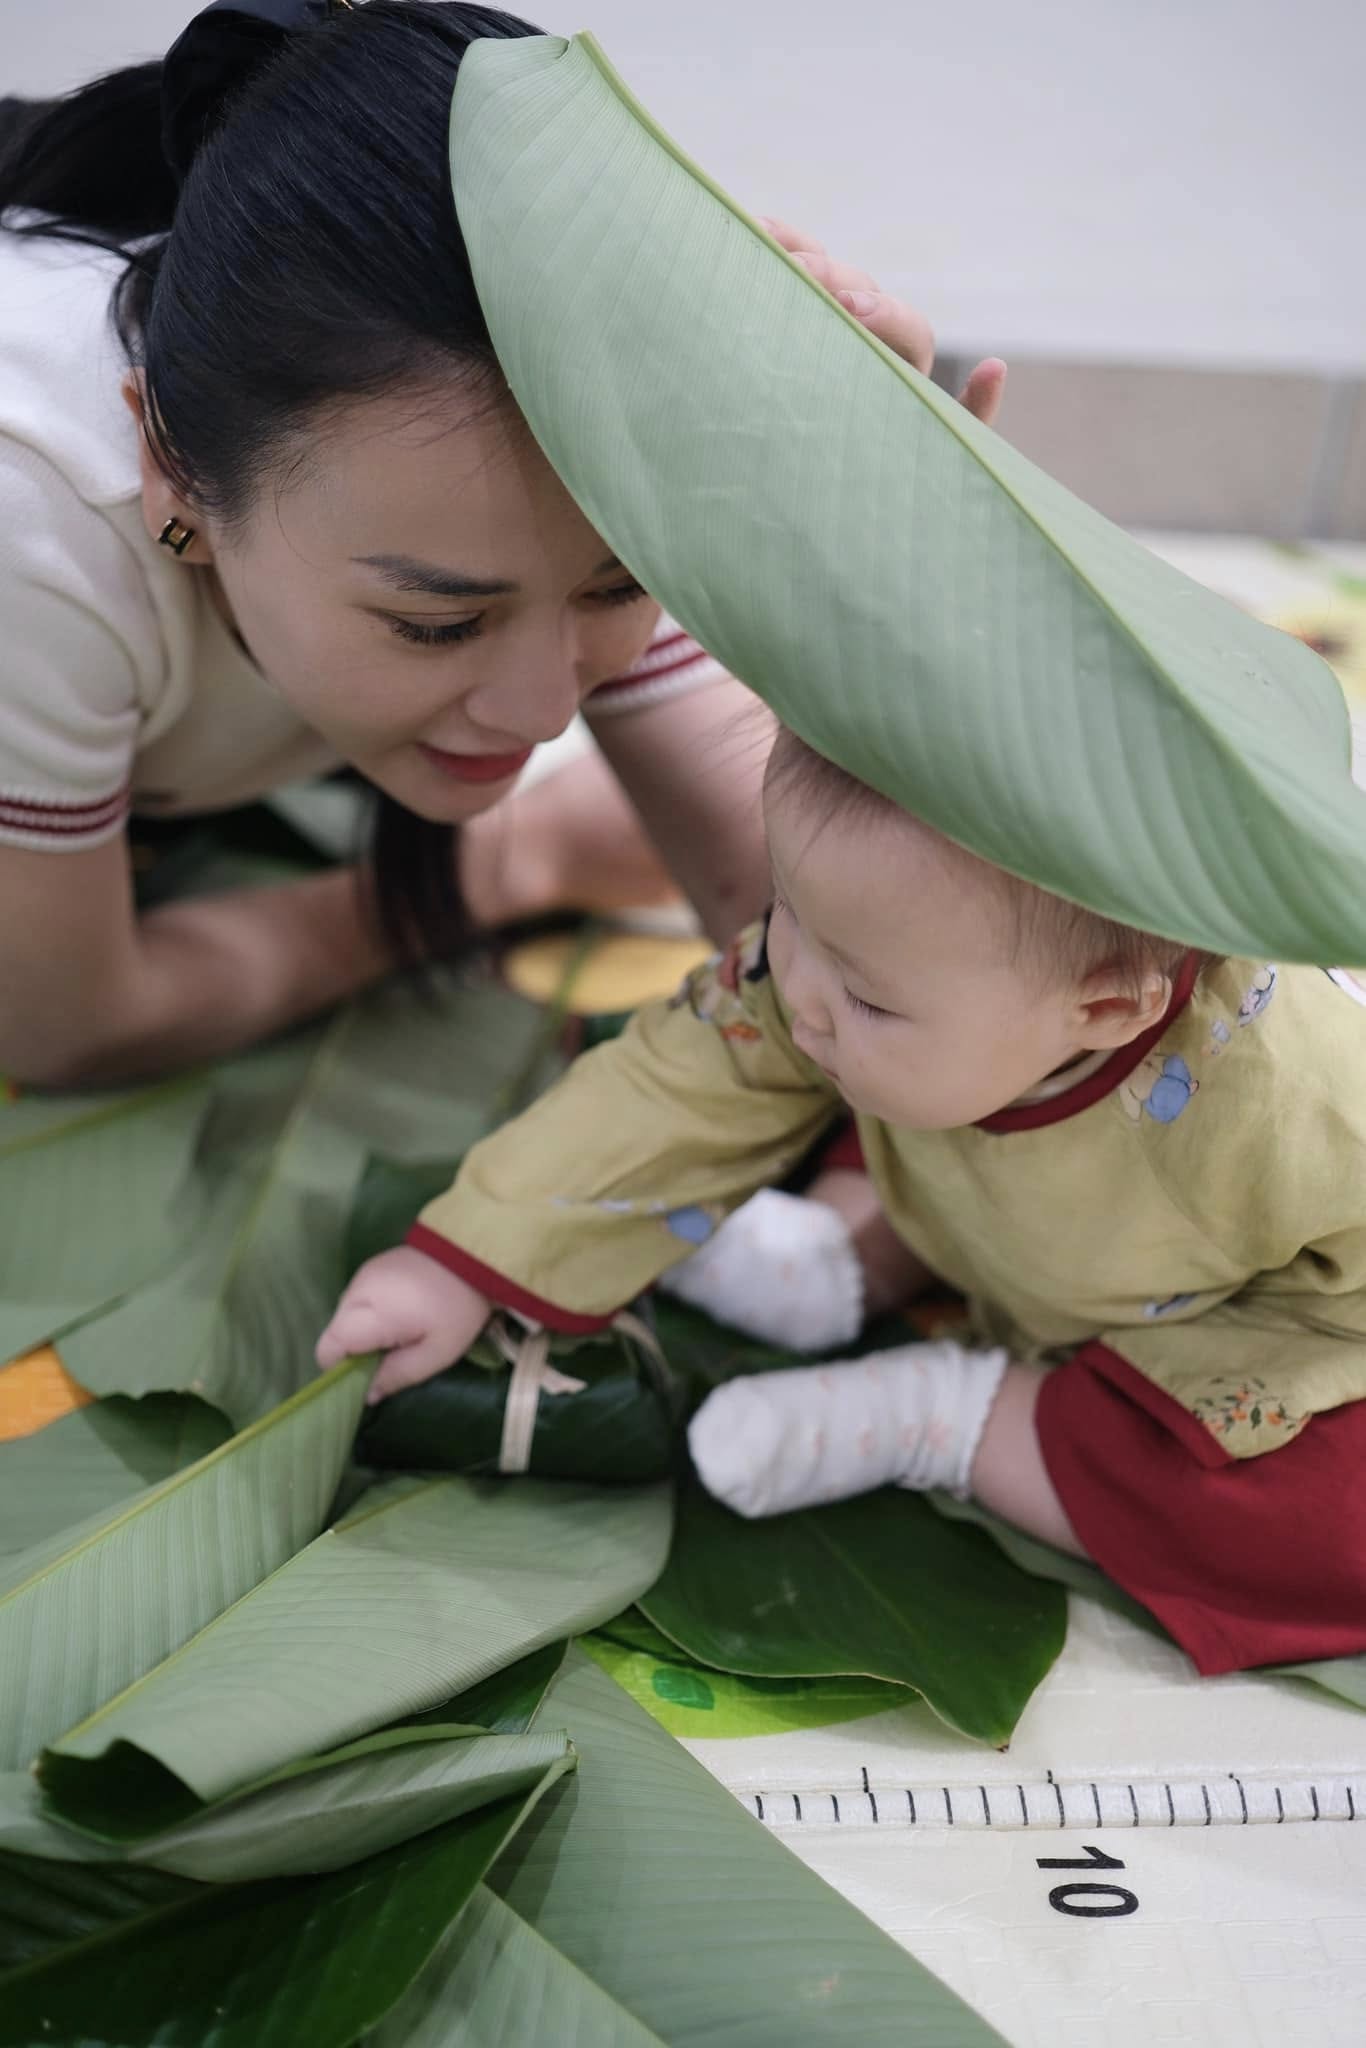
x,y
61,820
502,1290
1033,1116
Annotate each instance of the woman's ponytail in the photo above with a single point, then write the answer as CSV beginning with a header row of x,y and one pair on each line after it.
x,y
89,165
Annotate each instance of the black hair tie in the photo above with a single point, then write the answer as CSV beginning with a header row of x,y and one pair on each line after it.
x,y
222,48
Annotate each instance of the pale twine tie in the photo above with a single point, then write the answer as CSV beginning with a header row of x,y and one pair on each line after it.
x,y
533,1375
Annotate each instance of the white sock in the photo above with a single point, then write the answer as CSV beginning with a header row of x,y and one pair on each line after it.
x,y
769,1442
781,1269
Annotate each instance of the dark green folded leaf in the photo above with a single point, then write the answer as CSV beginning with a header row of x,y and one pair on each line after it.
x,y
505,1704
316,1815
652,1882
878,1585
87,1613
272,1965
426,1589
608,1417
494,1982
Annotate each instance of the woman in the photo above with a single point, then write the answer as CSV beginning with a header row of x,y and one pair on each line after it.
x,y
278,515
304,529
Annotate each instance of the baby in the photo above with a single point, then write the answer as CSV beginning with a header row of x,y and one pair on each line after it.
x,y
1145,1169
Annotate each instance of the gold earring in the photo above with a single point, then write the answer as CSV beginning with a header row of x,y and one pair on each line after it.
x,y
175,536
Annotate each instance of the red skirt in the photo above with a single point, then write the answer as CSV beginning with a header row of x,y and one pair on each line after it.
x,y
1243,1560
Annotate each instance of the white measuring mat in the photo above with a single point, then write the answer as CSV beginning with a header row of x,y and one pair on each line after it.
x,y
1157,1859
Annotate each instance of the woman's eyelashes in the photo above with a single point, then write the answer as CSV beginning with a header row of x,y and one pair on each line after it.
x,y
424,633
418,633
620,593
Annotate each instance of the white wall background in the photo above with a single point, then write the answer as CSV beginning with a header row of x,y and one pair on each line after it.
x,y
1134,180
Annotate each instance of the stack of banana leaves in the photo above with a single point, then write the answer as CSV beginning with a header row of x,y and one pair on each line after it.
x,y
306,1729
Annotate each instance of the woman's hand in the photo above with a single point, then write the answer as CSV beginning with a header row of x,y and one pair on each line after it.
x,y
411,1307
906,332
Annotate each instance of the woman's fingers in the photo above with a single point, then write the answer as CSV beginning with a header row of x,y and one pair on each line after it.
x,y
903,328
984,390
905,331
792,239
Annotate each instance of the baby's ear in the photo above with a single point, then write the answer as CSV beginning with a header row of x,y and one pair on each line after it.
x,y
1113,1010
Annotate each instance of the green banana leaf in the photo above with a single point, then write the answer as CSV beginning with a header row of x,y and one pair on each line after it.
x,y
494,1981
120,1163
426,1589
391,1196
281,1157
317,1815
691,1699
908,593
85,1614
506,1703
652,1882
86,1463
269,1965
878,1585
335,1801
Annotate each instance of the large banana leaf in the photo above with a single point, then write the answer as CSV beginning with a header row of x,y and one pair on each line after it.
x,y
408,1070
878,1585
337,1800
89,1461
910,594
651,1882
493,1981
119,1163
506,1703
317,1815
85,1614
127,1959
426,1589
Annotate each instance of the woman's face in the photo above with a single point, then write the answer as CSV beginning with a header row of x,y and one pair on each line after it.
x,y
428,597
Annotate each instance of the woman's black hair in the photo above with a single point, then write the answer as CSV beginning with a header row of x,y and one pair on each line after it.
x,y
311,256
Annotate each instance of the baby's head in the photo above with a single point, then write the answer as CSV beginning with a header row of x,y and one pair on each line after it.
x,y
933,988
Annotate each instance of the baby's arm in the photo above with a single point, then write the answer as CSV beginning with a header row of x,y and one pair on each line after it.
x,y
616,1174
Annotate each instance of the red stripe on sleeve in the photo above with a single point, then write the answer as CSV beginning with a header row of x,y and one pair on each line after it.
x,y
499,1288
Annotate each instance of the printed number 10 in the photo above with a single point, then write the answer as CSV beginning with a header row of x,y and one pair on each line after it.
x,y
1097,1901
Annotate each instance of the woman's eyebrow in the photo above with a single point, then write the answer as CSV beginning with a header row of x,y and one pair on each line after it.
x,y
405,572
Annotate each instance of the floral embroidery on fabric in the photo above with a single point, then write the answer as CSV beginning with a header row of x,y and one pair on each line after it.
x,y
713,991
1258,996
1244,1411
1159,1086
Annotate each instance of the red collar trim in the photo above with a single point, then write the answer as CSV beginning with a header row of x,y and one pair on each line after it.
x,y
1033,1116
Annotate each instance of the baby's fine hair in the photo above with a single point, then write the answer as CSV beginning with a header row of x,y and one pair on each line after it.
x,y
1061,939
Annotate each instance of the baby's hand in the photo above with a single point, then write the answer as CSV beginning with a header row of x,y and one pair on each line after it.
x,y
411,1307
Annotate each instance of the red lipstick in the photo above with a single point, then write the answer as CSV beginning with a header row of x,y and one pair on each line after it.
x,y
476,767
